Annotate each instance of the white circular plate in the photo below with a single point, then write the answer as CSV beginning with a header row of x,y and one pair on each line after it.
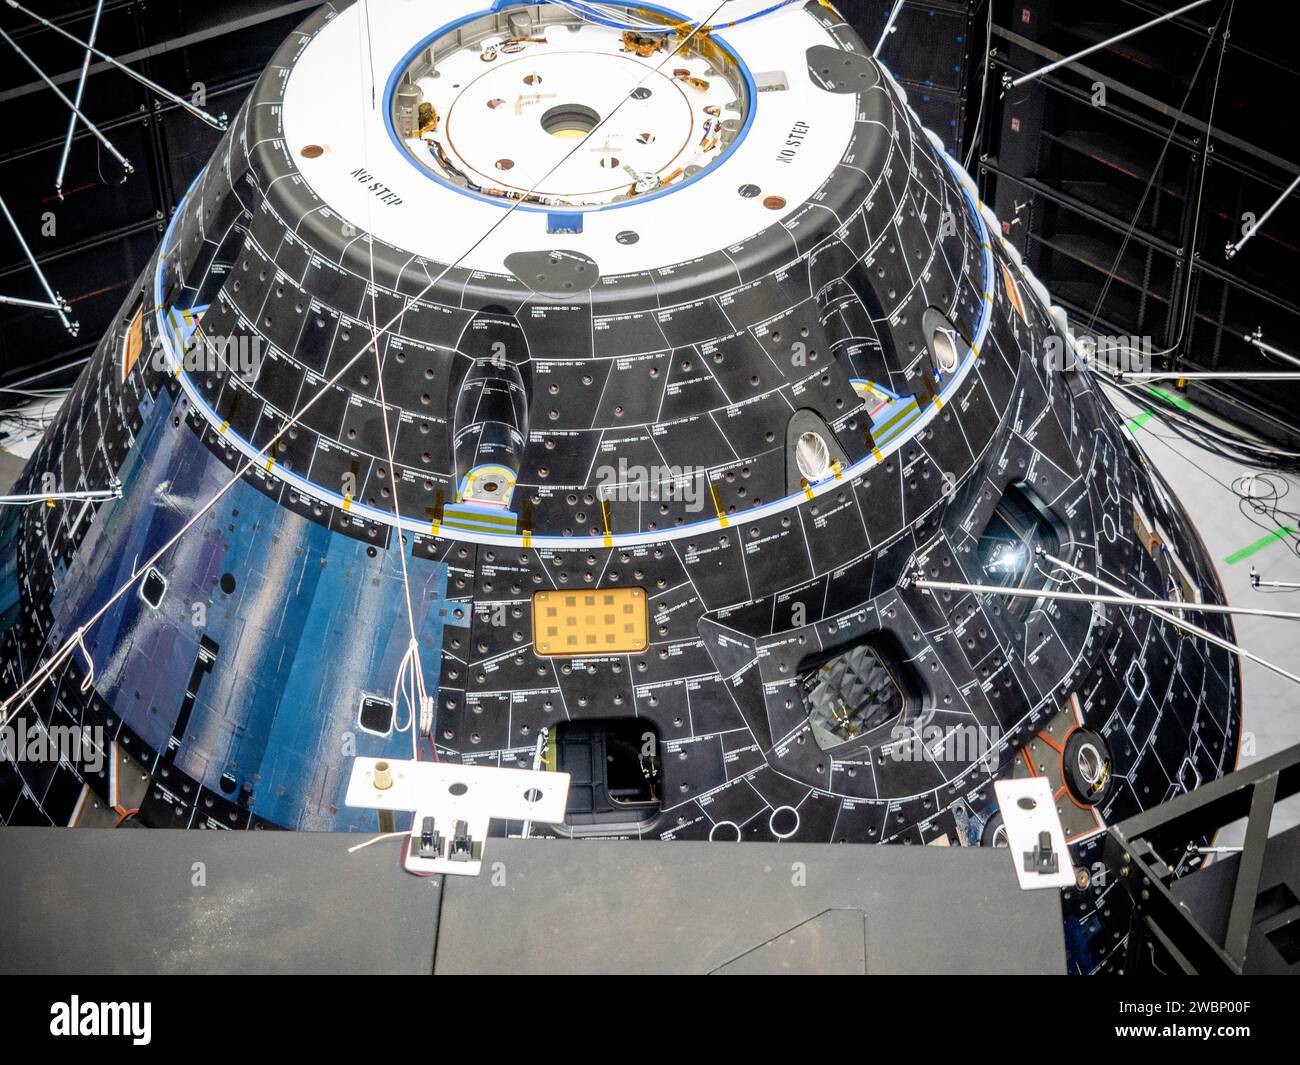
x,y
335,99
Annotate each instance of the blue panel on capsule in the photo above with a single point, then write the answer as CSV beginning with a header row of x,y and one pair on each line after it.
x,y
562,222
302,619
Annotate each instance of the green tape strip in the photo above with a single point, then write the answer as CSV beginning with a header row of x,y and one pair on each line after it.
x,y
1140,421
1170,397
910,409
1259,545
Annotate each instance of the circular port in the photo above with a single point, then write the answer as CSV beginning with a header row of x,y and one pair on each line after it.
x,y
941,336
572,121
813,456
1087,767
995,832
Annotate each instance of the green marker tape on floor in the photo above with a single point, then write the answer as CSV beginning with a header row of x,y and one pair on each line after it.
x,y
1170,397
1140,421
1259,545
1146,416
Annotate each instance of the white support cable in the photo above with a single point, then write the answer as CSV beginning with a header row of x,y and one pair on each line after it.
x,y
1176,375
1107,600
46,373
627,20
167,94
1119,598
11,706
1205,634
40,305
984,90
1198,212
889,28
81,88
57,303
1013,84
418,704
1257,583
421,705
76,111
1225,21
94,496
1232,249
1257,340
37,393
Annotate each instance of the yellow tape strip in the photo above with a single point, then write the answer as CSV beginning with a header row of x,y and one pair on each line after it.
x,y
717,505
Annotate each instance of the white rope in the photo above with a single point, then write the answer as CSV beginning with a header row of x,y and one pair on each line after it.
x,y
89,679
376,839
412,665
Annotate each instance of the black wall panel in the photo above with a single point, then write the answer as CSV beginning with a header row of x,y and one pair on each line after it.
x,y
1123,176
94,241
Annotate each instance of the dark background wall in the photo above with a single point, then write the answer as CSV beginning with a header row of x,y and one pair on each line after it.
x,y
105,229
1123,209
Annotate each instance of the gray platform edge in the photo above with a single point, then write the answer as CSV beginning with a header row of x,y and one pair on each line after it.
x,y
124,902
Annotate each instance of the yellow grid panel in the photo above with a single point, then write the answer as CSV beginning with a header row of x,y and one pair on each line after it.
x,y
602,621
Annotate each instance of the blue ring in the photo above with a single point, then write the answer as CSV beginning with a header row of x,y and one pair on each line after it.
x,y
641,536
499,5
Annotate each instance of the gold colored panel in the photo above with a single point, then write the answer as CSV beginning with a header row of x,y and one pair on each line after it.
x,y
134,343
600,621
1013,292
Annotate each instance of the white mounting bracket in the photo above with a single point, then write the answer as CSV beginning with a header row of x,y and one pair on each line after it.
x,y
453,805
1034,833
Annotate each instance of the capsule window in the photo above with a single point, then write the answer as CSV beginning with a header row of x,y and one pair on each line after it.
x,y
375,716
1021,524
153,588
858,689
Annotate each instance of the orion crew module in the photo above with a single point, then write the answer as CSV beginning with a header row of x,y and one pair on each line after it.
x,y
606,384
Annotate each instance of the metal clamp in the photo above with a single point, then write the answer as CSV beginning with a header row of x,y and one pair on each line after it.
x,y
453,806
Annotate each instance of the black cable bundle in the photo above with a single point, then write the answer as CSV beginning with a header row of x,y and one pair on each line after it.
x,y
1218,439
